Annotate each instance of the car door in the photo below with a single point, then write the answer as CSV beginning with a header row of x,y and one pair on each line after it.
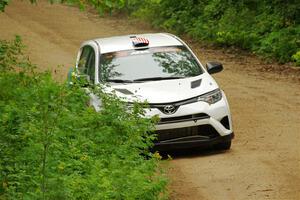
x,y
87,67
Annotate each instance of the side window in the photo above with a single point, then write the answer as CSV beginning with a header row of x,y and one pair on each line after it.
x,y
86,63
91,66
83,60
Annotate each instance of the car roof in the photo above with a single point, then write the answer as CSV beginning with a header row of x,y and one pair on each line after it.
x,y
119,43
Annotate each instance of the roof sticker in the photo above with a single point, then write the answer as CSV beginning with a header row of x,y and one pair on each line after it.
x,y
140,42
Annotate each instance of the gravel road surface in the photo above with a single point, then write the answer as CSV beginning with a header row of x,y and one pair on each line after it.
x,y
264,162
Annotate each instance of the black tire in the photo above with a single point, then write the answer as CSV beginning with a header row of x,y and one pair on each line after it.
x,y
223,145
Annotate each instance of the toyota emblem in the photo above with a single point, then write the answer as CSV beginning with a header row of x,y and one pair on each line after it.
x,y
169,109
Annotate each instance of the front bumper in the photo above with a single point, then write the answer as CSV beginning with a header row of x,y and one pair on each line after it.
x,y
216,124
194,125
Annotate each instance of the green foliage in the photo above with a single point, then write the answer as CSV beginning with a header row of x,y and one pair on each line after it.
x,y
11,55
3,3
52,146
296,58
281,44
268,28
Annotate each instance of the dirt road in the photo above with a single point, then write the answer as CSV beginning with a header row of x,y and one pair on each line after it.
x,y
264,162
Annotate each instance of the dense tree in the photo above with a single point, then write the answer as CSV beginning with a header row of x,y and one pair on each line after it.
x,y
267,27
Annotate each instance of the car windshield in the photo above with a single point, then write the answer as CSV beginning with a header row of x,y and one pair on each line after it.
x,y
149,64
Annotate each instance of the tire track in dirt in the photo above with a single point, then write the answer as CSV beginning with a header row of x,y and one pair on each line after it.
x,y
264,162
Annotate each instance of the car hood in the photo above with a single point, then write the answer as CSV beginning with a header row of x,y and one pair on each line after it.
x,y
165,91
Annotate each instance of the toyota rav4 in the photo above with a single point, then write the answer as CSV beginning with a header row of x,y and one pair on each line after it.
x,y
162,70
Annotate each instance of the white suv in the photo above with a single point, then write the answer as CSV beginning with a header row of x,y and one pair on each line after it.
x,y
162,70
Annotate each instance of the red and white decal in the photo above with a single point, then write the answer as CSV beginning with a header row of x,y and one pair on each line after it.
x,y
140,42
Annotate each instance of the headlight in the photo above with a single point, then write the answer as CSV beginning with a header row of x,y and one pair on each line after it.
x,y
211,97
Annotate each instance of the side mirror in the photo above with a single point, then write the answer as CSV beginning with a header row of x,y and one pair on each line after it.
x,y
84,80
70,76
214,67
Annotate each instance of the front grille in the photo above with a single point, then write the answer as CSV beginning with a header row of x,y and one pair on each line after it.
x,y
175,103
193,117
162,109
202,130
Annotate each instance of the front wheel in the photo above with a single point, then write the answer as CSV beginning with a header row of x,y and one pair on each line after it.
x,y
223,145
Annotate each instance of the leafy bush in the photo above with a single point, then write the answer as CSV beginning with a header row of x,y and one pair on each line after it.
x,y
296,58
11,55
52,146
269,28
3,3
281,44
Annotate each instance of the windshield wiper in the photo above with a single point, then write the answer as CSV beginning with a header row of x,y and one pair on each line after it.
x,y
119,81
158,78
